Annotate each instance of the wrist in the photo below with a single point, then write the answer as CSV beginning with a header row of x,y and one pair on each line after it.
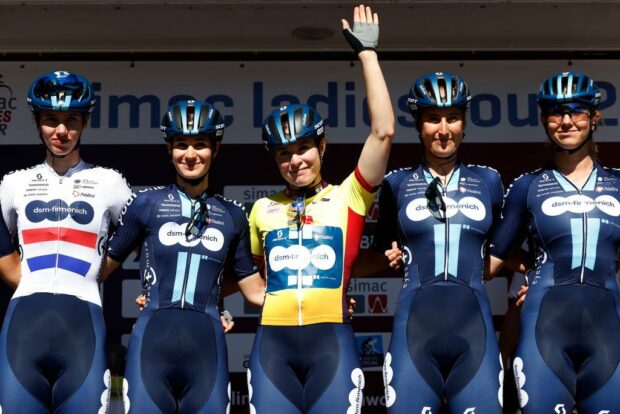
x,y
367,55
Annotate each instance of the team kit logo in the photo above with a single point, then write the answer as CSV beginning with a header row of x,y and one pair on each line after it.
x,y
173,233
579,203
470,207
57,210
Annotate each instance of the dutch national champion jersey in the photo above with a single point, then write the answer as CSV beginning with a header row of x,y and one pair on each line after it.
x,y
436,251
308,268
177,272
575,233
62,225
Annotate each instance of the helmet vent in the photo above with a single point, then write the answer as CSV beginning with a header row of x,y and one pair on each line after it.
x,y
286,127
298,118
190,117
430,92
203,116
178,118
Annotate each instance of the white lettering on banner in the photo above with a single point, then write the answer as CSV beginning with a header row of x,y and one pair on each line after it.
x,y
579,203
298,257
129,104
471,207
560,409
172,233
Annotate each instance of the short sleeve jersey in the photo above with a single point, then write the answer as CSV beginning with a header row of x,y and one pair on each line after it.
x,y
180,271
308,268
436,251
62,225
574,233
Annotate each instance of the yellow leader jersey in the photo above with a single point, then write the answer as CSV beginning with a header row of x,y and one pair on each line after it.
x,y
308,259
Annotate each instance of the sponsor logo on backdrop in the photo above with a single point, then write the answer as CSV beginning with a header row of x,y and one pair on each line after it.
x,y
370,349
8,104
377,303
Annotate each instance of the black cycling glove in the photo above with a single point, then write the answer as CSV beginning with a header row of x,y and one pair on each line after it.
x,y
364,36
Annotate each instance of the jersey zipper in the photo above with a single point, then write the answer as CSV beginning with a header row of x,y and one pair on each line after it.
x,y
584,227
446,257
187,264
585,244
58,214
299,281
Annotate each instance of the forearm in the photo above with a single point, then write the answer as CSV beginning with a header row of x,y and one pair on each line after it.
x,y
379,105
10,269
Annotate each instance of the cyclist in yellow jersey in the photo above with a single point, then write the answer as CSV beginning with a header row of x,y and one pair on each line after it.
x,y
306,239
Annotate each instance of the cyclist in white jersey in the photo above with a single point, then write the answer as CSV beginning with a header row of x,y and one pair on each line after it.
x,y
52,356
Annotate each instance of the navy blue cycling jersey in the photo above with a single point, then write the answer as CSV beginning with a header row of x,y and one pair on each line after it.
x,y
443,343
575,232
6,241
177,272
177,353
473,199
570,323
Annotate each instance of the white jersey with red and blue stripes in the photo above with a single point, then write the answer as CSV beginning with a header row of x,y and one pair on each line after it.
x,y
62,225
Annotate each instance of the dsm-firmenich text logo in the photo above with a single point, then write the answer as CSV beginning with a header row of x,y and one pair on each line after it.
x,y
8,104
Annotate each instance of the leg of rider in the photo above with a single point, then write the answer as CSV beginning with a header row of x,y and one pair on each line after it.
x,y
406,391
14,397
540,389
345,390
264,395
483,393
207,362
139,399
93,392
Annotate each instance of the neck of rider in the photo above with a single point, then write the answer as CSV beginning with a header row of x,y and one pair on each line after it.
x,y
194,187
575,165
62,164
441,167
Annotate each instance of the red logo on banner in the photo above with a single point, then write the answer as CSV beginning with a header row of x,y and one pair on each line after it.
x,y
373,213
377,303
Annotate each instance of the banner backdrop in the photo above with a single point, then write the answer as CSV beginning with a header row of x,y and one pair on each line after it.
x,y
131,98
503,131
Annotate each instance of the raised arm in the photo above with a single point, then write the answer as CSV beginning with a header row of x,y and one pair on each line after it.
x,y
363,38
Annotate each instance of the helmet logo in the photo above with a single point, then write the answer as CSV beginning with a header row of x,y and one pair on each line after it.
x,y
61,74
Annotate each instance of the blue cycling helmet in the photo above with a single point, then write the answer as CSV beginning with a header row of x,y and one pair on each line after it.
x,y
565,87
61,91
192,118
291,123
438,90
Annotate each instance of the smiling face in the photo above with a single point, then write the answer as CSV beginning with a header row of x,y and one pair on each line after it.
x,y
193,155
300,162
568,126
441,131
61,130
